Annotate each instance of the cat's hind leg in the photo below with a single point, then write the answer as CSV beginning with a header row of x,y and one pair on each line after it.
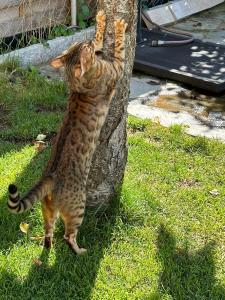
x,y
49,213
71,239
73,218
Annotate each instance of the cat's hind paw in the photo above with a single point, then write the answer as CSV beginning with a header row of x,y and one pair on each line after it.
x,y
73,245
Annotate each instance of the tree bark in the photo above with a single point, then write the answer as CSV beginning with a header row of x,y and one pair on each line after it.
x,y
109,161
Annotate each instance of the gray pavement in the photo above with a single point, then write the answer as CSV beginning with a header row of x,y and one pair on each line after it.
x,y
172,103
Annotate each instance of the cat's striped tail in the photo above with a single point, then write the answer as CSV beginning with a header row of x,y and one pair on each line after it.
x,y
18,205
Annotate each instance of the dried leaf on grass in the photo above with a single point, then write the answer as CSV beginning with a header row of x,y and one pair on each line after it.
x,y
214,192
41,137
36,238
39,145
156,120
24,227
37,262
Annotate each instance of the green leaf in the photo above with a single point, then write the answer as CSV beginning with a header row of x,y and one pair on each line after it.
x,y
85,10
45,44
82,24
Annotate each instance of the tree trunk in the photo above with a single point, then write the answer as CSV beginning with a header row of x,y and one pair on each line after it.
x,y
109,161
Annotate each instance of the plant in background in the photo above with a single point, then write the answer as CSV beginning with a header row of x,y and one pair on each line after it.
x,y
83,13
86,10
60,30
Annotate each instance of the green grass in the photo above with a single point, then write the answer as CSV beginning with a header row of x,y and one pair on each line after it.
x,y
163,238
29,103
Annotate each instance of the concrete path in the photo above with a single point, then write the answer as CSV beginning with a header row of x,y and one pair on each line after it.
x,y
172,103
169,103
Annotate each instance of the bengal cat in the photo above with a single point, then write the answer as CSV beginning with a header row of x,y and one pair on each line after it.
x,y
92,81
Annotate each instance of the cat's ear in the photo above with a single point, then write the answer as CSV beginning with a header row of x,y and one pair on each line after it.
x,y
57,62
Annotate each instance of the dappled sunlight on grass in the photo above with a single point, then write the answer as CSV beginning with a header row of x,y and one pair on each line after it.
x,y
13,162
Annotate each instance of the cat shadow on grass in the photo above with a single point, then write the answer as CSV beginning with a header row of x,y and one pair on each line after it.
x,y
9,222
187,275
62,274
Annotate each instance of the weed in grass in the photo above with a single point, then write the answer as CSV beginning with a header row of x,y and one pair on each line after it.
x,y
9,65
134,124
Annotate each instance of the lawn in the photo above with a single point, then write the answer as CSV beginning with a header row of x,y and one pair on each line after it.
x,y
162,238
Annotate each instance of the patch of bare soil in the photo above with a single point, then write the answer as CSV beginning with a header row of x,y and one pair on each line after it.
x,y
206,108
4,122
42,108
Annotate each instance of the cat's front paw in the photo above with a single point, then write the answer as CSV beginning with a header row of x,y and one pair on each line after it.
x,y
120,26
101,17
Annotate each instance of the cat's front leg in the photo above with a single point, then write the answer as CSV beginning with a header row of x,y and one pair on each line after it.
x,y
100,28
120,27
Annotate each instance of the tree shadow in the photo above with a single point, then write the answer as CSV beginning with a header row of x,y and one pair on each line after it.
x,y
9,223
24,180
187,275
70,276
63,274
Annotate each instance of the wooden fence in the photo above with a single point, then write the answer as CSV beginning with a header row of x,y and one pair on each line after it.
x,y
19,16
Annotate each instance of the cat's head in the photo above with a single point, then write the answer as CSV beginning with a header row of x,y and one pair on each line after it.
x,y
77,60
